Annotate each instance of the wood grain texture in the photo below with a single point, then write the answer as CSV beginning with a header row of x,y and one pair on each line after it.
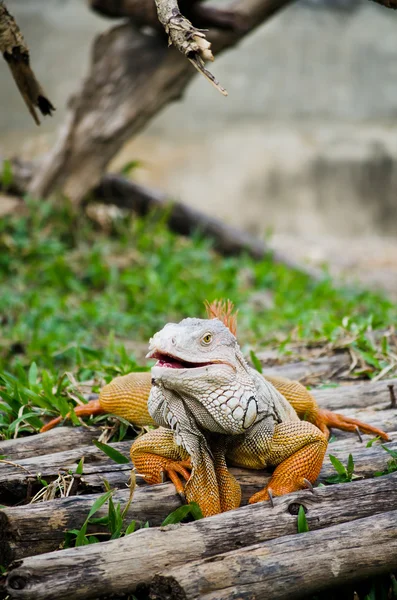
x,y
118,566
56,440
288,567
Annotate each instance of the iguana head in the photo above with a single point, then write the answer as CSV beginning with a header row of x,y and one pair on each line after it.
x,y
200,361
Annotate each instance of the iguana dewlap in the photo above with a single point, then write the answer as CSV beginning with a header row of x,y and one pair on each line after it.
x,y
213,409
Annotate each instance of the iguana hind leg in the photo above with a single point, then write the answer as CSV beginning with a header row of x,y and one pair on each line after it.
x,y
297,450
125,396
307,409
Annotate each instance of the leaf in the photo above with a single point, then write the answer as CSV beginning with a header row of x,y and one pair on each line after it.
x,y
350,467
129,167
256,362
370,443
112,453
177,515
195,511
32,375
338,466
7,176
80,467
392,453
98,504
81,539
302,521
131,528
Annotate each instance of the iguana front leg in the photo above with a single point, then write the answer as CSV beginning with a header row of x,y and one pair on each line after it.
x,y
295,448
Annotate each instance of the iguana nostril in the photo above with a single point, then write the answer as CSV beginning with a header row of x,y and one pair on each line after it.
x,y
173,341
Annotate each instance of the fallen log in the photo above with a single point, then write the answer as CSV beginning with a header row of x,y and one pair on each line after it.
x,y
324,368
27,530
118,566
185,220
21,480
289,567
55,440
360,396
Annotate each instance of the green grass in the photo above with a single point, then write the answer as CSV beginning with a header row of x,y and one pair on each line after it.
x,y
75,298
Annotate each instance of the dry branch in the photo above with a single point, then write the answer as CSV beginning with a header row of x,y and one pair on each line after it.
x,y
187,39
133,76
289,567
16,55
119,566
56,440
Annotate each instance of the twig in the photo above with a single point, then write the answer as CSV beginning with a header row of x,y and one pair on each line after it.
x,y
187,39
16,55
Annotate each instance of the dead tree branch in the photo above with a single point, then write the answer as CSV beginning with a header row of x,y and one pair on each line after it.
x,y
133,76
16,55
185,220
187,39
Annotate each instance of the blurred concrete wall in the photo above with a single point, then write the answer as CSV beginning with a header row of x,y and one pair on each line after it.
x,y
306,141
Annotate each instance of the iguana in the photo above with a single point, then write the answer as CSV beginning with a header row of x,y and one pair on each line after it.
x,y
213,409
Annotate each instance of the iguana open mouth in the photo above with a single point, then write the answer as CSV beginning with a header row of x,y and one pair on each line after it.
x,y
170,362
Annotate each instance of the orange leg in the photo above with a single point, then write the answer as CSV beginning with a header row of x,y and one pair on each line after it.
x,y
156,454
85,410
125,396
298,449
307,409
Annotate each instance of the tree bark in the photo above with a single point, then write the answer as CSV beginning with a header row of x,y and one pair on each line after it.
x,y
144,14
133,76
16,55
118,566
56,440
289,567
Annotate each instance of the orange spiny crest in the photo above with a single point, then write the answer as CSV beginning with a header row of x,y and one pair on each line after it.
x,y
224,311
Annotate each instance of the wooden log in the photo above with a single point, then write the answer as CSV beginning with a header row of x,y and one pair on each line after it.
x,y
324,368
27,530
360,396
17,478
227,240
293,566
56,440
118,566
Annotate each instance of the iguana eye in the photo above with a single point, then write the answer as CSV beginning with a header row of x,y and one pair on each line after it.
x,y
207,338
